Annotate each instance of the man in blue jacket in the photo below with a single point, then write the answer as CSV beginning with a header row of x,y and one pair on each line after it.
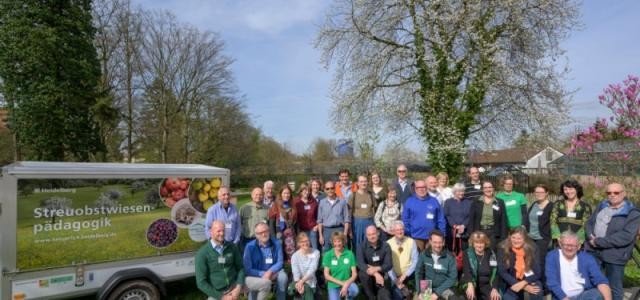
x,y
421,215
572,274
611,234
263,265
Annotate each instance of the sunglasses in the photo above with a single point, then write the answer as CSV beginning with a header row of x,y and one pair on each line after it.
x,y
616,193
329,189
402,171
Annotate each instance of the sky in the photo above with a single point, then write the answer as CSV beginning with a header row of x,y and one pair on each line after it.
x,y
287,89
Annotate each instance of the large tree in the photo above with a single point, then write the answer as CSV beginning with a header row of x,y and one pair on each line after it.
x,y
50,73
447,69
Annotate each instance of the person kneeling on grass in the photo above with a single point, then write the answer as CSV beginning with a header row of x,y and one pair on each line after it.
x,y
304,264
438,265
340,269
573,274
219,269
263,262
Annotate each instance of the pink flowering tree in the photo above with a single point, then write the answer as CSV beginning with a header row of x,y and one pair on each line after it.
x,y
613,153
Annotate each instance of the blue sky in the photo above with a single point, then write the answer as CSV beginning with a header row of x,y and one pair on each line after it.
x,y
287,90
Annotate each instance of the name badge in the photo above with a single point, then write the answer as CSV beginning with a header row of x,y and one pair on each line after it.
x,y
539,213
510,203
268,260
571,214
363,205
227,225
529,273
375,258
437,266
495,207
307,207
334,262
493,263
222,260
345,261
429,216
477,186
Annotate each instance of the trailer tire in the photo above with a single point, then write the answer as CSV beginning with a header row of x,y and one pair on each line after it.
x,y
135,290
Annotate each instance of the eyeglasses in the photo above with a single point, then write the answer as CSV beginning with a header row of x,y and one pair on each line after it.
x,y
262,232
615,193
329,188
421,187
402,171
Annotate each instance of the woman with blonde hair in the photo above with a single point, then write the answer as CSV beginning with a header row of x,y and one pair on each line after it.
x,y
444,191
304,264
519,267
479,271
340,272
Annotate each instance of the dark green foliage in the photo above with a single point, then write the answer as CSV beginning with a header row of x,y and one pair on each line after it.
x,y
49,74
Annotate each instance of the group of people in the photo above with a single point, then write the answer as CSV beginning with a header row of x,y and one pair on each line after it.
x,y
418,238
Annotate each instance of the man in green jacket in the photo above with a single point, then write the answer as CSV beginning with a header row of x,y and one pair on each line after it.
x,y
438,265
219,268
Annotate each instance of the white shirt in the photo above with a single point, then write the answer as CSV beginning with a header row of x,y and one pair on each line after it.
x,y
444,194
571,280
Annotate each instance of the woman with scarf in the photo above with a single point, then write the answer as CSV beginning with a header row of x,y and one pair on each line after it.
x,y
519,267
282,217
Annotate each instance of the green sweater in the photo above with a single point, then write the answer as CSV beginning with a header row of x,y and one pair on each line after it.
x,y
442,279
214,277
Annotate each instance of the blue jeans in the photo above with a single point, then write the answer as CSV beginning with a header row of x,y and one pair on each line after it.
x,y
592,294
511,295
359,228
352,292
326,234
313,237
615,274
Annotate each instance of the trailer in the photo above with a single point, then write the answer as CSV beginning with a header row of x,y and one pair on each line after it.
x,y
112,229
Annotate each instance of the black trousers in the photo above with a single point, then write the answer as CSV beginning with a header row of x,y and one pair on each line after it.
x,y
371,289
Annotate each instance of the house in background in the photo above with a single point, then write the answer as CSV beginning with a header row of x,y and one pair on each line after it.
x,y
526,159
606,159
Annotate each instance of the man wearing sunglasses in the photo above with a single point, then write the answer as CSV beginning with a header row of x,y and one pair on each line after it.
x,y
333,216
404,186
611,234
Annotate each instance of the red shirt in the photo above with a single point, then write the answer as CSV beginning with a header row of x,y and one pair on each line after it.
x,y
306,214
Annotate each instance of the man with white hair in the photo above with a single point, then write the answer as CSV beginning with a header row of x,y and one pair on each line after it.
x,y
573,274
269,197
264,265
404,257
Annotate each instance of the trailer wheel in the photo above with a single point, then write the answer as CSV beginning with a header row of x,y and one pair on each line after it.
x,y
135,290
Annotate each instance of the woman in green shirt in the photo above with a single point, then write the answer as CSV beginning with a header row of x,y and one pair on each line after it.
x,y
340,269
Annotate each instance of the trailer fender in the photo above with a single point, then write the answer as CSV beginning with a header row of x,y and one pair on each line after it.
x,y
130,274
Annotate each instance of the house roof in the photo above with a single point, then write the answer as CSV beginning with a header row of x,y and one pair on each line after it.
x,y
512,155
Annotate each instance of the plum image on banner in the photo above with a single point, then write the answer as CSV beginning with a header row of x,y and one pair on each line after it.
x,y
162,233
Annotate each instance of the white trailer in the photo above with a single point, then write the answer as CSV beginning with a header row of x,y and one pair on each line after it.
x,y
116,230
